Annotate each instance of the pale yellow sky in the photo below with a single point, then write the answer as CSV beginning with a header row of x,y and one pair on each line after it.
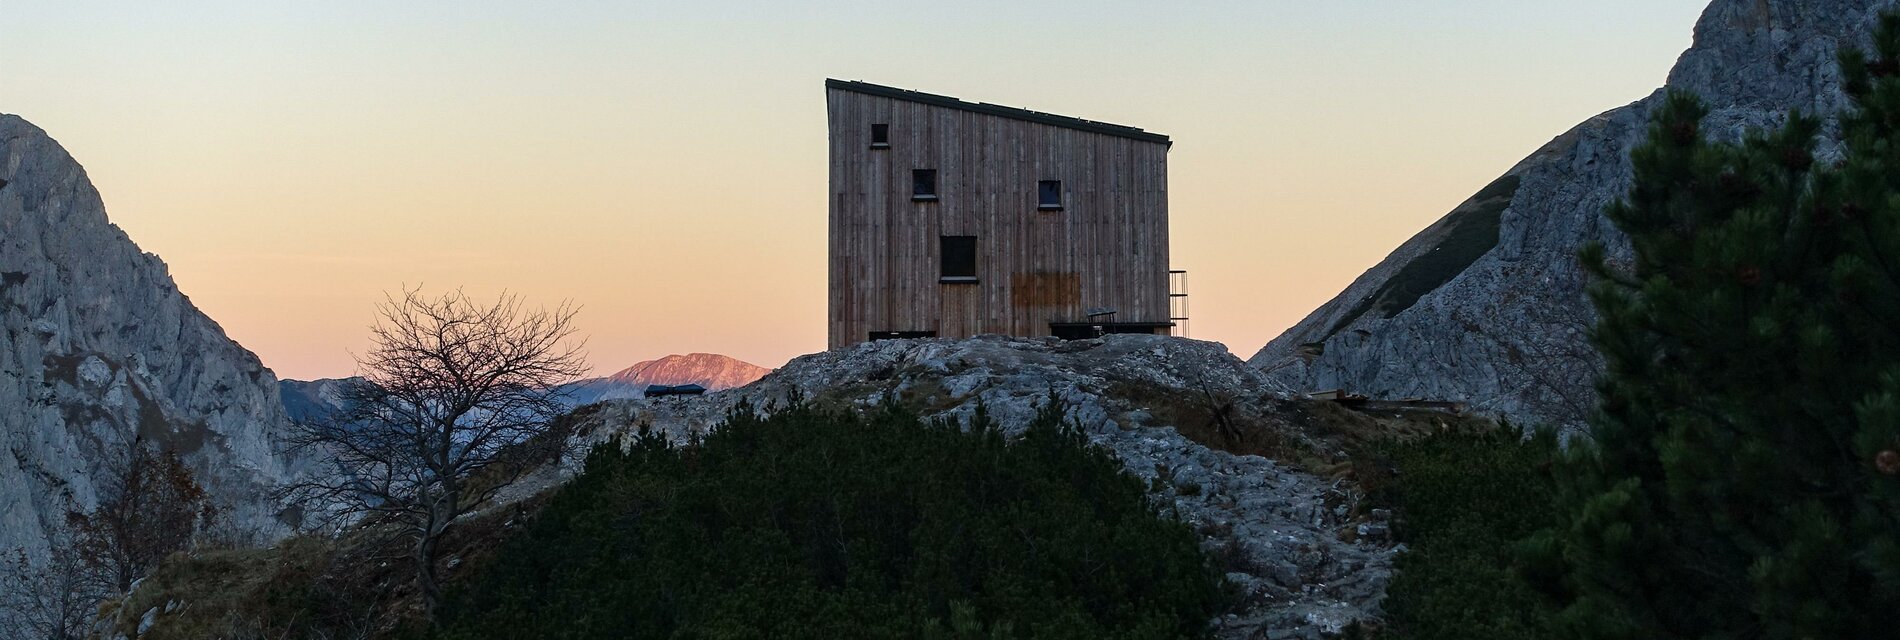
x,y
664,165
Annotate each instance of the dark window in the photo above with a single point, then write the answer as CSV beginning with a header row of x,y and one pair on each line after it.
x,y
959,259
901,335
1049,194
880,136
923,184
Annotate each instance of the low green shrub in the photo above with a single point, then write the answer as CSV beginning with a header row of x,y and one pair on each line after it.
x,y
1465,501
821,524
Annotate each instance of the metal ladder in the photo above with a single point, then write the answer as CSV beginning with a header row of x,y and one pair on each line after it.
x,y
1178,301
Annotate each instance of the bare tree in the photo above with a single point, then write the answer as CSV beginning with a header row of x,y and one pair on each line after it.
x,y
54,600
452,393
150,505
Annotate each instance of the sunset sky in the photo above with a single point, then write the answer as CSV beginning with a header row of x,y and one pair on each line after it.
x,y
663,165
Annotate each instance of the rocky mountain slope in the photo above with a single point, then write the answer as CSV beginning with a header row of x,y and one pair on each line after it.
x,y
1487,305
710,370
313,399
101,348
1308,556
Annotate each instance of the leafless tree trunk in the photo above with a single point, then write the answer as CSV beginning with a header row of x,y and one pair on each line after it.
x,y
56,600
453,394
150,506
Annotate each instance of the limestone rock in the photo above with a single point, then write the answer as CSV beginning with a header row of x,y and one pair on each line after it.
x,y
1487,305
100,347
314,399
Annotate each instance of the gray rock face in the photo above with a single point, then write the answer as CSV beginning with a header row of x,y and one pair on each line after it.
x,y
314,399
1279,528
99,348
1487,305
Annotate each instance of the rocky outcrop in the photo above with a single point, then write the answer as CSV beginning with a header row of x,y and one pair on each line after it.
x,y
1487,305
710,370
100,348
314,399
1287,536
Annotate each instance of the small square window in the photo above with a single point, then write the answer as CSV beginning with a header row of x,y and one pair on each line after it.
x,y
959,259
923,184
1049,195
880,136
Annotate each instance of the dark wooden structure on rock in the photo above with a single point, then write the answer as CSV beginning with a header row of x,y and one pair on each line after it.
x,y
953,219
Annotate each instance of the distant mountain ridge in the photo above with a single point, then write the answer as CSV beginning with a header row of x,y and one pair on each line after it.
x,y
313,399
710,370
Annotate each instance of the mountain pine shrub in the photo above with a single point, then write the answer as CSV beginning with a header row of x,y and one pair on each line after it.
x,y
818,524
1465,497
1742,481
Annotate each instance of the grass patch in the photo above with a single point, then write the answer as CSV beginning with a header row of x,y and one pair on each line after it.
x,y
284,591
1215,420
1469,232
359,585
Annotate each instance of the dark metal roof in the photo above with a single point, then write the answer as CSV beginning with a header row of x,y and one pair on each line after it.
x,y
1038,117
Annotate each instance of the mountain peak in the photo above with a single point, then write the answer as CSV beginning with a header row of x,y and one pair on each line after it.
x,y
710,370
100,350
1487,306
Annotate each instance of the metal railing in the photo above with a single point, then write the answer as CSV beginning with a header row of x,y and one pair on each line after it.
x,y
1178,301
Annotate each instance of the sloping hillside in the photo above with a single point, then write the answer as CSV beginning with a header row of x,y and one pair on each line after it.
x,y
1263,476
1487,305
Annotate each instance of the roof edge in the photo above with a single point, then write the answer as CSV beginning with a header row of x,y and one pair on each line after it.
x,y
998,110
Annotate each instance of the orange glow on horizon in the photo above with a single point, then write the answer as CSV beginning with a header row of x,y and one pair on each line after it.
x,y
664,167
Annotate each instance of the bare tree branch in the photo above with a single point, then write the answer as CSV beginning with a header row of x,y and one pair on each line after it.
x,y
453,393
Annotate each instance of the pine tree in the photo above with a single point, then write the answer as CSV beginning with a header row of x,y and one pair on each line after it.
x,y
1742,476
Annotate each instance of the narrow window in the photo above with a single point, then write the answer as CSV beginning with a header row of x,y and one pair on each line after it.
x,y
959,259
923,184
880,136
1049,195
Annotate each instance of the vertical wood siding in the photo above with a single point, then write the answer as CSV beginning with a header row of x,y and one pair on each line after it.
x,y
1107,247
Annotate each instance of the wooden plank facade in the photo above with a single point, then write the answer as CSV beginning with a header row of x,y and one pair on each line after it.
x,y
1039,270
